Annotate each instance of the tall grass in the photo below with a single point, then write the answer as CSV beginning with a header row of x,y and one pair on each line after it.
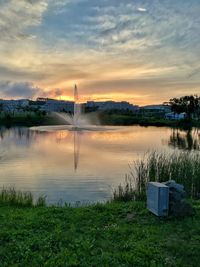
x,y
126,191
183,167
9,196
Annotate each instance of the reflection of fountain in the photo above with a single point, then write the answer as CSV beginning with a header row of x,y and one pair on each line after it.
x,y
76,149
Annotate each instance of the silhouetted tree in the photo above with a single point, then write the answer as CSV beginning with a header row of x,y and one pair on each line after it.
x,y
188,104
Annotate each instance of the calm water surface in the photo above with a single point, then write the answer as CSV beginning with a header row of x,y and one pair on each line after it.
x,y
83,166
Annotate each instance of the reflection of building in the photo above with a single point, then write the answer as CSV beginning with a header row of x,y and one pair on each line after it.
x,y
111,105
175,116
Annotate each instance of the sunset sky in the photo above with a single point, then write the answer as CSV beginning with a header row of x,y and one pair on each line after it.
x,y
142,51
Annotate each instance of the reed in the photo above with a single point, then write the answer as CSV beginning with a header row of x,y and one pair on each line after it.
x,y
183,167
126,191
12,197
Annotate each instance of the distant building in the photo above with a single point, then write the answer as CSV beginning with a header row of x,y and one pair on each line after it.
x,y
93,104
43,99
175,116
14,105
111,105
43,104
156,108
51,105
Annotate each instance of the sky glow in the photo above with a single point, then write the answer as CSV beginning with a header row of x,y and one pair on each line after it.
x,y
141,51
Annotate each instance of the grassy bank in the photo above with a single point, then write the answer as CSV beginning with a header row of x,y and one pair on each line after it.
x,y
29,119
105,118
12,197
112,234
128,119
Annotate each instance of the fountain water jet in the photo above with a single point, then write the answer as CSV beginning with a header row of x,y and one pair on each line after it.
x,y
77,120
77,110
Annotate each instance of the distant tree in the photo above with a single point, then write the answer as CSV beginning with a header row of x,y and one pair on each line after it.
x,y
188,104
1,107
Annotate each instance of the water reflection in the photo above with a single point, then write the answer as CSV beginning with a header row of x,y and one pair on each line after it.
x,y
18,133
77,140
81,165
186,140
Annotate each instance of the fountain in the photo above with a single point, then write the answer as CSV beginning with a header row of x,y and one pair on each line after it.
x,y
77,123
77,113
74,122
77,110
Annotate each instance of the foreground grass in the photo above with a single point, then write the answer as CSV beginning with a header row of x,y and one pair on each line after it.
x,y
112,234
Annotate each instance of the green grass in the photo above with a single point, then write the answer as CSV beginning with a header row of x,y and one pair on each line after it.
x,y
12,197
183,167
112,234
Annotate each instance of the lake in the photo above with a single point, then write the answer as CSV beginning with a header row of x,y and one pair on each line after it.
x,y
83,166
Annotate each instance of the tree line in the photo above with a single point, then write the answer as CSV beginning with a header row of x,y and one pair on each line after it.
x,y
187,104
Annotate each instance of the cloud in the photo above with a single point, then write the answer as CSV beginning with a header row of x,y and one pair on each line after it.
x,y
17,16
18,90
141,9
97,43
138,91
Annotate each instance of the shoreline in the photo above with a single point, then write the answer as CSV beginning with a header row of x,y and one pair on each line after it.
x,y
143,123
103,119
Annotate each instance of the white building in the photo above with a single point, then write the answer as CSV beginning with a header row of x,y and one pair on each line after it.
x,y
112,105
14,105
157,108
175,116
58,106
